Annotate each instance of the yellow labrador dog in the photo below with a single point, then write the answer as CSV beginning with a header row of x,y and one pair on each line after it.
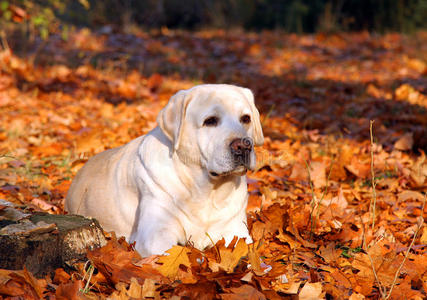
x,y
182,182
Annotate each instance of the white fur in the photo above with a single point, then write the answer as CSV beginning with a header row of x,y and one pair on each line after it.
x,y
158,189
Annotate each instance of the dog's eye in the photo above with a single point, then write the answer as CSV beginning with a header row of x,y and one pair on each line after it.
x,y
211,121
245,119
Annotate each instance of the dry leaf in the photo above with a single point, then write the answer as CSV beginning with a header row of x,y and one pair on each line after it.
x,y
178,255
70,291
406,142
356,296
314,108
311,291
410,195
230,257
243,292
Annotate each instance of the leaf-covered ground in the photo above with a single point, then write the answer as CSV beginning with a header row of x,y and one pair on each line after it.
x,y
311,204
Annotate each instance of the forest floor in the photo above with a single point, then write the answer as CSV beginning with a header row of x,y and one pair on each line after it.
x,y
320,228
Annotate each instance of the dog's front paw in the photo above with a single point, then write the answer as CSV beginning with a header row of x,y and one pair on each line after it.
x,y
156,244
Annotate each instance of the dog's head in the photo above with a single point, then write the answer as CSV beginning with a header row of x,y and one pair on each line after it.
x,y
214,125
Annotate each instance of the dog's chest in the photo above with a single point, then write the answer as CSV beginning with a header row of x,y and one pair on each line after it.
x,y
210,218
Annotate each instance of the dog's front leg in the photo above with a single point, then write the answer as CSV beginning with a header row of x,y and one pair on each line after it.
x,y
156,230
237,227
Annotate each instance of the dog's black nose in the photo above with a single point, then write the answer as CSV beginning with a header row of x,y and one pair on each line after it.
x,y
239,146
241,150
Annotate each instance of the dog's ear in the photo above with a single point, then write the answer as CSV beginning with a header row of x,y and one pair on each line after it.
x,y
256,123
171,117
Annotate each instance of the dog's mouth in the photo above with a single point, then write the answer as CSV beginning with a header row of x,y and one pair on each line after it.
x,y
240,170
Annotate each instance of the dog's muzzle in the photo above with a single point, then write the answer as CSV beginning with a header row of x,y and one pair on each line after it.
x,y
241,151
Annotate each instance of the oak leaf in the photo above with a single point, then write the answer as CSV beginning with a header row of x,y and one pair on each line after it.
x,y
230,257
178,255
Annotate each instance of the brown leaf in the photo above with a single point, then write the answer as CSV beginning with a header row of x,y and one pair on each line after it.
x,y
329,253
70,291
116,263
318,174
359,169
406,142
90,142
61,276
39,285
311,291
423,238
299,172
230,257
154,81
14,284
243,292
356,296
286,238
135,289
385,261
255,260
203,290
410,195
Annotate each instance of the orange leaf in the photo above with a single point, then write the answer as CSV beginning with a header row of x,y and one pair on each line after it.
x,y
243,292
405,142
70,291
178,255
311,291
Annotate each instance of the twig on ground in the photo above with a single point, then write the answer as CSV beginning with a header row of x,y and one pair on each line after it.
x,y
372,207
365,247
313,199
383,290
267,116
216,248
90,271
313,195
419,225
326,188
372,210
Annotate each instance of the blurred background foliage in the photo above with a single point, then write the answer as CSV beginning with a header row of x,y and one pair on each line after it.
x,y
298,16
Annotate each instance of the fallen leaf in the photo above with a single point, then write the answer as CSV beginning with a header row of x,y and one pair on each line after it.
x,y
311,291
229,256
410,195
329,253
148,288
117,263
423,238
178,255
243,292
406,142
356,296
288,239
70,291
